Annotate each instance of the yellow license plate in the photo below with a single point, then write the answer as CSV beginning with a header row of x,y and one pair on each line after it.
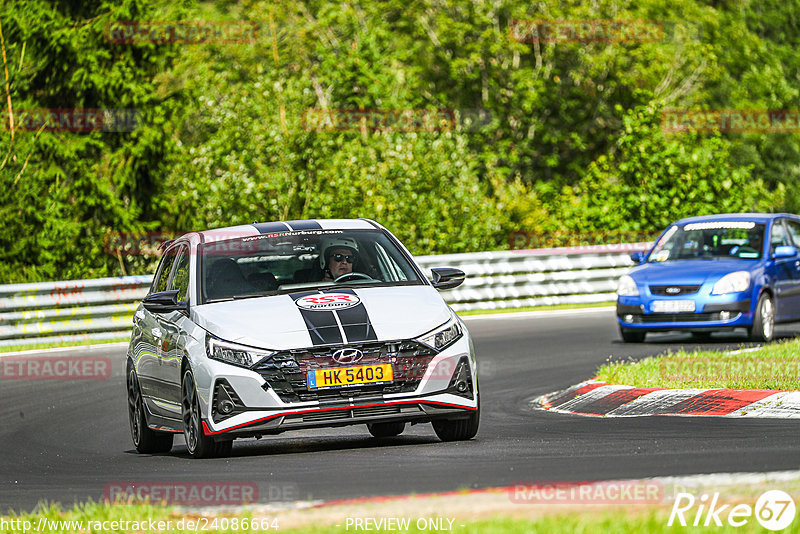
x,y
349,376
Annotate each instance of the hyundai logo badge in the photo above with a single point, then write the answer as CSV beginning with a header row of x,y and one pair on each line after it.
x,y
347,356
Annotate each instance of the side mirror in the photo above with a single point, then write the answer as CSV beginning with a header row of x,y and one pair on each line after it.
x,y
164,302
785,251
637,257
447,277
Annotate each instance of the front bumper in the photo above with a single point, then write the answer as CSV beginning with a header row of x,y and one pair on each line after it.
x,y
633,313
266,404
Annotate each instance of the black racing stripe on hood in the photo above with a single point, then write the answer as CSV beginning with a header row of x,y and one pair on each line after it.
x,y
271,227
322,326
304,225
355,321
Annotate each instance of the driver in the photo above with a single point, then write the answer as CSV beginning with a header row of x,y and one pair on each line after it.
x,y
338,257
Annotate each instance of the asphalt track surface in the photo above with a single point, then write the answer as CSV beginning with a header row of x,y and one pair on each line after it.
x,y
65,441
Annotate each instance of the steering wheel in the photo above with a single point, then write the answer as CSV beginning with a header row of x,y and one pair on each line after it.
x,y
354,275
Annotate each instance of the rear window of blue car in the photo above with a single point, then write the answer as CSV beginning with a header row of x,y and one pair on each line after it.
x,y
707,240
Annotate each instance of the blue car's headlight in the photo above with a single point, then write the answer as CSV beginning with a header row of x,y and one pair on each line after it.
x,y
732,283
627,287
234,354
444,336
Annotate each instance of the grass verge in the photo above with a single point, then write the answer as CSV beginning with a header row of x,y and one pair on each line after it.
x,y
486,512
773,366
539,308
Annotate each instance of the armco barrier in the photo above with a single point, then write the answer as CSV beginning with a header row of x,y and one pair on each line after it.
x,y
103,308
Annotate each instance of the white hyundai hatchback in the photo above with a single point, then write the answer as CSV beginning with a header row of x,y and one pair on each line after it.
x,y
257,329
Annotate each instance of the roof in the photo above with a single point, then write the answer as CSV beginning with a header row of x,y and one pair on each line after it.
x,y
755,217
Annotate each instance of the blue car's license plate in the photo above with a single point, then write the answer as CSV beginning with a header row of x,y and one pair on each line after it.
x,y
672,306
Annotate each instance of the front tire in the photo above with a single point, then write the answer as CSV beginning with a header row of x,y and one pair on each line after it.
x,y
632,336
763,328
386,430
198,444
145,439
458,429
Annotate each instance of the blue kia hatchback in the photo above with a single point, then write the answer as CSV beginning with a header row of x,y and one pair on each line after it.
x,y
713,273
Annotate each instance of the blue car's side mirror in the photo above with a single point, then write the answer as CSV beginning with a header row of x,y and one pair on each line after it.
x,y
785,251
637,257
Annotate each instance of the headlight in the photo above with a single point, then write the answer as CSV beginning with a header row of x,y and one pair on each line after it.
x,y
444,336
627,287
234,354
732,283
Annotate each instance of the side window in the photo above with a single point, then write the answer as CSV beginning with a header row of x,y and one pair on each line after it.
x,y
180,279
794,231
166,266
778,235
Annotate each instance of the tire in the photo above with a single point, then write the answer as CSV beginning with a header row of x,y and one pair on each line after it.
x,y
386,430
198,444
458,429
632,336
763,328
145,439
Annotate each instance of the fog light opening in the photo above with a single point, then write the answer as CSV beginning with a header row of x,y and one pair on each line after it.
x,y
627,318
461,386
226,407
724,315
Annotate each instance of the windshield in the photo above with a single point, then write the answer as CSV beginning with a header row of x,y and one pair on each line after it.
x,y
285,262
738,239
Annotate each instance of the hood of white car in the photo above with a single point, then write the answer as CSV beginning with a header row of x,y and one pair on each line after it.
x,y
322,317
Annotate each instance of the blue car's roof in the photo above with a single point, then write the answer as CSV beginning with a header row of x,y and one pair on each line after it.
x,y
755,217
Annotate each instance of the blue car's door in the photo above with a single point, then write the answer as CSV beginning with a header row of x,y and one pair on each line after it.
x,y
793,265
787,275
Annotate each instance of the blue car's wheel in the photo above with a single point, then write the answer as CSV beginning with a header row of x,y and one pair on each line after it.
x,y
631,336
763,328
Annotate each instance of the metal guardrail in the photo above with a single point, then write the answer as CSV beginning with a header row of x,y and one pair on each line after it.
x,y
103,308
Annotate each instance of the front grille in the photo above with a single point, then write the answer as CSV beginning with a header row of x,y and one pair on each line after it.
x,y
674,290
285,371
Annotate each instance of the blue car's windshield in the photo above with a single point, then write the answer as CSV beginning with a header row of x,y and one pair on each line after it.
x,y
702,240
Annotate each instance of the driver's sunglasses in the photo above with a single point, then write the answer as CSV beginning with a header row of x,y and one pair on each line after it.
x,y
343,257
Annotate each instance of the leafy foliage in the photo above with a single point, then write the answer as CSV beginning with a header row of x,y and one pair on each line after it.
x,y
569,139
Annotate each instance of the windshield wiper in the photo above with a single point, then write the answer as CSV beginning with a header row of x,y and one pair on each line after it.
x,y
252,295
